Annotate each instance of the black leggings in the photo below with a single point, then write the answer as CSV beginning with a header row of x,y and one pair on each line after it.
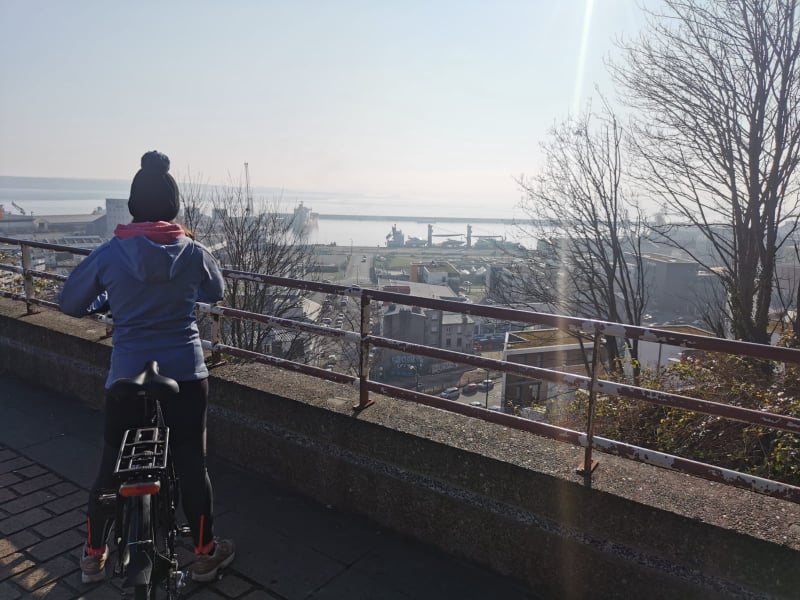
x,y
185,415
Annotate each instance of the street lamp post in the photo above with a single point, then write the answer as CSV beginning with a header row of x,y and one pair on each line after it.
x,y
416,377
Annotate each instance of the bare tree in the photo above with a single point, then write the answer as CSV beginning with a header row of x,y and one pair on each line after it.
x,y
592,262
717,89
194,200
266,240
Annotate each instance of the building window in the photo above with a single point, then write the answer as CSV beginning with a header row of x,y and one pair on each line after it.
x,y
447,342
458,343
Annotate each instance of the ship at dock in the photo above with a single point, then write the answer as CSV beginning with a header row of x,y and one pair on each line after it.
x,y
396,239
304,219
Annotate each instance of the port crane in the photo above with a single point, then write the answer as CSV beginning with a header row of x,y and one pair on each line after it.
x,y
248,195
19,208
457,242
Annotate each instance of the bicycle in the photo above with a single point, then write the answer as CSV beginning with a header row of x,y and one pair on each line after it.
x,y
145,528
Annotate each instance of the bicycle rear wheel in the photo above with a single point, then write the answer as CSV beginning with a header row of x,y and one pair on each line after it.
x,y
141,547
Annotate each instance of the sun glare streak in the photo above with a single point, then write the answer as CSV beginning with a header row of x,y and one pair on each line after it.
x,y
587,25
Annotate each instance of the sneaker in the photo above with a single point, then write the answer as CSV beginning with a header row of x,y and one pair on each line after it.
x,y
93,566
205,566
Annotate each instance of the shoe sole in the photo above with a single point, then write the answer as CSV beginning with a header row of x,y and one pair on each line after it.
x,y
212,575
93,578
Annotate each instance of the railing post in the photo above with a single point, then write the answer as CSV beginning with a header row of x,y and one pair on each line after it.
x,y
216,336
590,465
363,369
27,266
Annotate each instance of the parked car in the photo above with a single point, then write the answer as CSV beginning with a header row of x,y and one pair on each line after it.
x,y
485,385
451,393
470,388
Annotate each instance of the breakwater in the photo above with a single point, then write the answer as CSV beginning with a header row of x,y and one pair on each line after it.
x,y
449,219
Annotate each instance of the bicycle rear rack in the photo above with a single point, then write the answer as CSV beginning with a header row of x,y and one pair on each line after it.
x,y
143,450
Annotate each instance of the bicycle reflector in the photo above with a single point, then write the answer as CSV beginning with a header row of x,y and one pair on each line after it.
x,y
144,487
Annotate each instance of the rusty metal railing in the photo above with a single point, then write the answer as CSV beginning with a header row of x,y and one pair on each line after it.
x,y
593,384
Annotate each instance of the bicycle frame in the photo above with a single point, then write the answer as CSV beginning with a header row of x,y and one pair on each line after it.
x,y
147,494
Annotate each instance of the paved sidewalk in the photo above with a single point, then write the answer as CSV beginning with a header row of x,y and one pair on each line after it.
x,y
288,547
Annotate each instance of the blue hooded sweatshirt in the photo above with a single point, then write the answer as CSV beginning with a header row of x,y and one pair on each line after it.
x,y
153,275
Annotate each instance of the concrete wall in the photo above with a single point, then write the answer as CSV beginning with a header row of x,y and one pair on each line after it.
x,y
499,497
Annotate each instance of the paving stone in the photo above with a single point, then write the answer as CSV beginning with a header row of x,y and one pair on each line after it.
x,y
62,543
44,573
260,595
64,488
6,495
9,479
60,523
23,520
74,581
8,466
9,592
76,553
232,586
16,542
14,563
74,500
6,454
207,594
26,501
32,471
100,592
37,483
54,591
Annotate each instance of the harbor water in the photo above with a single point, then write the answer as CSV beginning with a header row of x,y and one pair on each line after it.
x,y
53,196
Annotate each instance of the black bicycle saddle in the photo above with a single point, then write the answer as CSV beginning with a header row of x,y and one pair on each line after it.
x,y
148,380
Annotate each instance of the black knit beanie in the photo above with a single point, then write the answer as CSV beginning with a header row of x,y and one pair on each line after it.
x,y
154,193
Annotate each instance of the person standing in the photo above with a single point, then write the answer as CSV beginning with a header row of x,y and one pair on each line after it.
x,y
151,274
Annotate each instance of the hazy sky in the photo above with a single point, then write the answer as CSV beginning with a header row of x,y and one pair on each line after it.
x,y
440,99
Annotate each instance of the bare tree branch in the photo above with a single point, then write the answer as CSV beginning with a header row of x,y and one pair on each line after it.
x,y
590,261
269,240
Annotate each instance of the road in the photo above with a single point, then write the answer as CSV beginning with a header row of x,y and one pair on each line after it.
x,y
358,265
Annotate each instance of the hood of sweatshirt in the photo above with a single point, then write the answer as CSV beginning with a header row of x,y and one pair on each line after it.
x,y
153,252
